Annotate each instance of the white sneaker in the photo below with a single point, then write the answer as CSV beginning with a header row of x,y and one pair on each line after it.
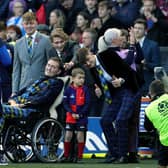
x,y
3,161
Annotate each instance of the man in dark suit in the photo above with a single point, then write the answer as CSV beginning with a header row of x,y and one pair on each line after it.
x,y
63,48
104,13
120,87
30,54
150,51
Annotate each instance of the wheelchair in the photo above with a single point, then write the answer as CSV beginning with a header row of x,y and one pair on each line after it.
x,y
27,138
40,136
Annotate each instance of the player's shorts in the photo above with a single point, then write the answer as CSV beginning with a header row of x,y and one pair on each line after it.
x,y
76,127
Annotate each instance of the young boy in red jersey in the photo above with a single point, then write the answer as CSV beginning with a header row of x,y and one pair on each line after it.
x,y
76,103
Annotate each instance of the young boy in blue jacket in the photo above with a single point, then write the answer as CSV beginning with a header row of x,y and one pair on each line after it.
x,y
76,103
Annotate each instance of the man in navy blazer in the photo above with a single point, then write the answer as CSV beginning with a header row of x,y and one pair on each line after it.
x,y
150,51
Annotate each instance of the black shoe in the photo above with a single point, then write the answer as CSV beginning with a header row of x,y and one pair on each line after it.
x,y
110,160
64,160
78,160
71,159
122,159
3,160
133,159
75,160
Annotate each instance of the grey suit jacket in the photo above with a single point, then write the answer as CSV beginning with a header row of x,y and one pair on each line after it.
x,y
28,68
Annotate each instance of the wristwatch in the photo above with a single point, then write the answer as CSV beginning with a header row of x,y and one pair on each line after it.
x,y
122,81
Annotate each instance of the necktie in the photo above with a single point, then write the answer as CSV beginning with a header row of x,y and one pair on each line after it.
x,y
29,43
104,85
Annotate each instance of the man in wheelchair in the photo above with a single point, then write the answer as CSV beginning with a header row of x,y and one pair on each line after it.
x,y
40,95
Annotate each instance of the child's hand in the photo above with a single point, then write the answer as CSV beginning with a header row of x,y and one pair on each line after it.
x,y
75,116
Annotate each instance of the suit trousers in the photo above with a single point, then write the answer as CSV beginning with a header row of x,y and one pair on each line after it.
x,y
13,112
114,122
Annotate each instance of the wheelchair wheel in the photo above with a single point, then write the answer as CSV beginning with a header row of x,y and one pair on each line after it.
x,y
47,139
17,145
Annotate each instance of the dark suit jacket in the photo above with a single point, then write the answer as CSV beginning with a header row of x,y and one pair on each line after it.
x,y
68,54
158,31
151,54
114,65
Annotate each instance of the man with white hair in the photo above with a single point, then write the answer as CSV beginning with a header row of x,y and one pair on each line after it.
x,y
111,38
119,83
133,57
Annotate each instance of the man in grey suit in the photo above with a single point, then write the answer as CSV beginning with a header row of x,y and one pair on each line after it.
x,y
30,54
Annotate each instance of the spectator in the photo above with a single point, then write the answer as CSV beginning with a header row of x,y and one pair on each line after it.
x,y
34,5
104,13
17,7
82,21
71,8
38,7
43,29
4,9
5,76
76,35
50,5
126,12
13,33
157,24
96,24
91,8
3,36
150,51
163,5
38,96
56,19
63,48
89,37
76,102
30,54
